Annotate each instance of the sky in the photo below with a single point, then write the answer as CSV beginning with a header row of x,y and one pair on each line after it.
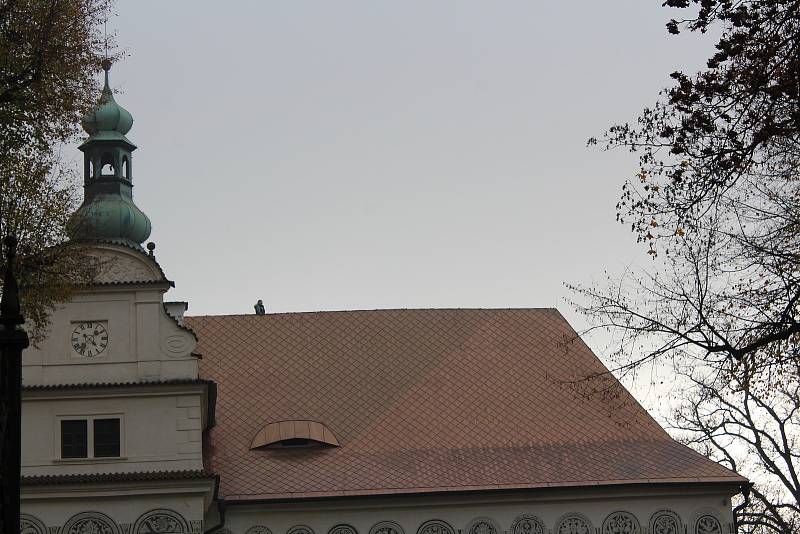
x,y
357,154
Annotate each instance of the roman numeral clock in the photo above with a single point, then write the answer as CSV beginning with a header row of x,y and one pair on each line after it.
x,y
89,339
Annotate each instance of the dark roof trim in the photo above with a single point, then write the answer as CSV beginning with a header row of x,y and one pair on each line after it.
x,y
112,385
734,486
139,476
163,282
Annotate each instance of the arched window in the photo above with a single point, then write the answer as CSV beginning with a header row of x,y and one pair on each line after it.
x,y
126,168
107,165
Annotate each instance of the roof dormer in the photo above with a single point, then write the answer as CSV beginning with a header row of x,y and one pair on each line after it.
x,y
294,433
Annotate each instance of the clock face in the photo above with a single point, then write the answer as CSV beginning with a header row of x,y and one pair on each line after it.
x,y
89,339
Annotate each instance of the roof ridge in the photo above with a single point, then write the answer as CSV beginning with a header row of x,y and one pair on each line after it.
x,y
361,310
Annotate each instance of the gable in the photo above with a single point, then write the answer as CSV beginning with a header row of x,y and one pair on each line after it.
x,y
120,264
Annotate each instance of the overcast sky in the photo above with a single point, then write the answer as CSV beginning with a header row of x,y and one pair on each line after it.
x,y
328,155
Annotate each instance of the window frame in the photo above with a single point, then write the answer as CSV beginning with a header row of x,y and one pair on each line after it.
x,y
90,456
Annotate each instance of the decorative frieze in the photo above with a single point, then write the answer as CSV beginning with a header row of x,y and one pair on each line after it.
x,y
665,522
161,521
31,525
527,524
90,523
386,527
707,524
300,529
621,523
435,526
342,529
573,524
482,525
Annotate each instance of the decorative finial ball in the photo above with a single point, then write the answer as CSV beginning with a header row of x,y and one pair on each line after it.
x,y
106,64
151,246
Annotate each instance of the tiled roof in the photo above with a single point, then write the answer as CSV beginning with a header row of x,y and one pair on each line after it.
x,y
425,400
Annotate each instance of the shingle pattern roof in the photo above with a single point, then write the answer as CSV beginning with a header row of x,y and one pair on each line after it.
x,y
425,400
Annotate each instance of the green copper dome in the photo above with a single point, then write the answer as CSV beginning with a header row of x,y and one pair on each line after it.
x,y
108,212
111,217
108,116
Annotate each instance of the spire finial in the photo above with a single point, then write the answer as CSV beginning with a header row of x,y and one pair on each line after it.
x,y
106,64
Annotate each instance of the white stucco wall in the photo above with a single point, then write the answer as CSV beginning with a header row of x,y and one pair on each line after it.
x,y
144,342
161,428
461,512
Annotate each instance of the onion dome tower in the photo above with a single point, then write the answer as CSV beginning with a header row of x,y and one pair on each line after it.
x,y
108,212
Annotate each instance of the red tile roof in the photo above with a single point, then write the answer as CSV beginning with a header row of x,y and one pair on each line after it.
x,y
424,400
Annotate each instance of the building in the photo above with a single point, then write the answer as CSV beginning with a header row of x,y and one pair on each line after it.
x,y
137,419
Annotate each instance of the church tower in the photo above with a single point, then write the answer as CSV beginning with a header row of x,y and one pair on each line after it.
x,y
113,407
108,211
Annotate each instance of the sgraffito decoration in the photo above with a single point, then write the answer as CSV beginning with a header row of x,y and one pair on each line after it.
x,y
665,522
342,529
482,525
707,524
621,523
161,521
386,527
30,525
527,524
300,529
573,524
90,523
435,526
258,529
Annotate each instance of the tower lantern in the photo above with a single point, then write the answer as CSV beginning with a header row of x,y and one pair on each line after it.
x,y
108,212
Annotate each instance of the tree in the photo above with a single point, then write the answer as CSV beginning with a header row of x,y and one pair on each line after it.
x,y
716,205
717,192
39,197
50,51
748,421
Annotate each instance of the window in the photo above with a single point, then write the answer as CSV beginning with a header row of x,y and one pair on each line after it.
x,y
73,438
106,438
92,437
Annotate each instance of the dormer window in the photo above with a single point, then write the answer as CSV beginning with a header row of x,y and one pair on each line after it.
x,y
294,434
